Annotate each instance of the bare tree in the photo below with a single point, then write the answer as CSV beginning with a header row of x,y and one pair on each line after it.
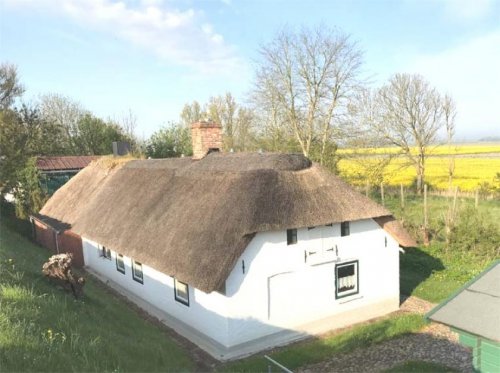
x,y
223,110
129,123
412,112
191,113
10,88
363,141
311,75
64,113
450,113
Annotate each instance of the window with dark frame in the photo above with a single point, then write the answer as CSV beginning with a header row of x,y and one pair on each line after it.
x,y
346,279
137,273
106,253
344,229
120,264
181,292
291,236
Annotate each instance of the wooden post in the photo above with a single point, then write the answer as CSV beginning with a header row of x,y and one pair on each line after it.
x,y
367,188
402,197
382,193
476,202
426,218
455,200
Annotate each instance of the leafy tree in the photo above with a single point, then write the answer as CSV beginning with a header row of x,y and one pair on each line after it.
x,y
95,136
170,141
23,134
29,195
10,88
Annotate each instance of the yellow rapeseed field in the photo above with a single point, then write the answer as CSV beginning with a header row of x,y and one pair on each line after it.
x,y
470,171
458,149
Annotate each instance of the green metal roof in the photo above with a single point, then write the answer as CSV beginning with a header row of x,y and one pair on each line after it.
x,y
476,307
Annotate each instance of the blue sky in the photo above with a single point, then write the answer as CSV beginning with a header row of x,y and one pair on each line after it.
x,y
152,56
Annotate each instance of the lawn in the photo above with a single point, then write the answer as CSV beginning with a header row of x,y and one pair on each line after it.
x,y
435,272
45,329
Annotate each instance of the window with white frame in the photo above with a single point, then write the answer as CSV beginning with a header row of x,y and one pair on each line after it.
x,y
346,279
120,264
181,290
137,273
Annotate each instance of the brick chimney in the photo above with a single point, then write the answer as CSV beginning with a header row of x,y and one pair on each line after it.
x,y
206,137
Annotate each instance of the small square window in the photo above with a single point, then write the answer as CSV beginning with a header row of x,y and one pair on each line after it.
x,y
181,292
137,272
291,236
120,265
344,229
347,278
104,252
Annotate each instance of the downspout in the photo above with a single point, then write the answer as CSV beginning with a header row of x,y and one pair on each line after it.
x,y
57,240
33,228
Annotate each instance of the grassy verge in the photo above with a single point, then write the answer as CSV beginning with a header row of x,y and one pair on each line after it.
x,y
420,367
44,329
435,272
319,349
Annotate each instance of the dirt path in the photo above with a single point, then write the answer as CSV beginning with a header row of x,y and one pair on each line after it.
x,y
435,343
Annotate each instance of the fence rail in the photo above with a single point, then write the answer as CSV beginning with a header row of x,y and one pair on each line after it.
x,y
282,367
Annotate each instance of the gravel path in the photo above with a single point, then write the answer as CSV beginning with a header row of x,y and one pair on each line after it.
x,y
435,343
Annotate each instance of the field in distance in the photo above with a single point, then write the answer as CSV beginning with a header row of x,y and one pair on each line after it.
x,y
476,166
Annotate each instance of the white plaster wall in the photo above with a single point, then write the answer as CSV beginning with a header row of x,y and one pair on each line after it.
x,y
280,289
206,312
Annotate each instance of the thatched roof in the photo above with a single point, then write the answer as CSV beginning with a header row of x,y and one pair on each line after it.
x,y
193,219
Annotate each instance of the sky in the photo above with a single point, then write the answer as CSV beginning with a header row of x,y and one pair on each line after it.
x,y
153,56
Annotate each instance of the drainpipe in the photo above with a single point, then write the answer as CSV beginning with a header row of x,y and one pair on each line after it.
x,y
57,240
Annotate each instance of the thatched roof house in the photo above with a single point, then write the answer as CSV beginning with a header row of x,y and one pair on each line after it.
x,y
192,219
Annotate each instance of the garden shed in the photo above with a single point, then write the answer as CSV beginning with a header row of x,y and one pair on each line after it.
x,y
474,313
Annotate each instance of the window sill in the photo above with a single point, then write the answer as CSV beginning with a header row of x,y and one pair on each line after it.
x,y
351,300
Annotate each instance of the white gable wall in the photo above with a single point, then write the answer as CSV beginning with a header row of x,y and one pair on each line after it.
x,y
281,290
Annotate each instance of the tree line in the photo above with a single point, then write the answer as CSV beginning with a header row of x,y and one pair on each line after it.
x,y
308,95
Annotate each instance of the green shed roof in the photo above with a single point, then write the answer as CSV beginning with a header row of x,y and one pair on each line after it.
x,y
476,307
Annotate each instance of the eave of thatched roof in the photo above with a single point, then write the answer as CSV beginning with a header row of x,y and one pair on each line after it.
x,y
193,219
396,230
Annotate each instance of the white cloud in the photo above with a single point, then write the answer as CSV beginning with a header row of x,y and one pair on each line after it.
x,y
183,37
467,9
470,73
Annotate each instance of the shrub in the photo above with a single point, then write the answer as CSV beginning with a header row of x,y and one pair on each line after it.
x,y
476,232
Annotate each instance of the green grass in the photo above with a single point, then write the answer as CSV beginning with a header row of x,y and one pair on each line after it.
x,y
319,349
433,273
45,329
420,367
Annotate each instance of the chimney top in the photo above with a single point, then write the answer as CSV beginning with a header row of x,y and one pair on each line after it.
x,y
206,137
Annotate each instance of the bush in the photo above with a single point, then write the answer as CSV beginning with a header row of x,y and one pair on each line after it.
x,y
476,232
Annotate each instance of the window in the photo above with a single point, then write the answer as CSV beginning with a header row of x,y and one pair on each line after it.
x,y
181,292
103,252
344,229
347,278
137,272
291,236
120,265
